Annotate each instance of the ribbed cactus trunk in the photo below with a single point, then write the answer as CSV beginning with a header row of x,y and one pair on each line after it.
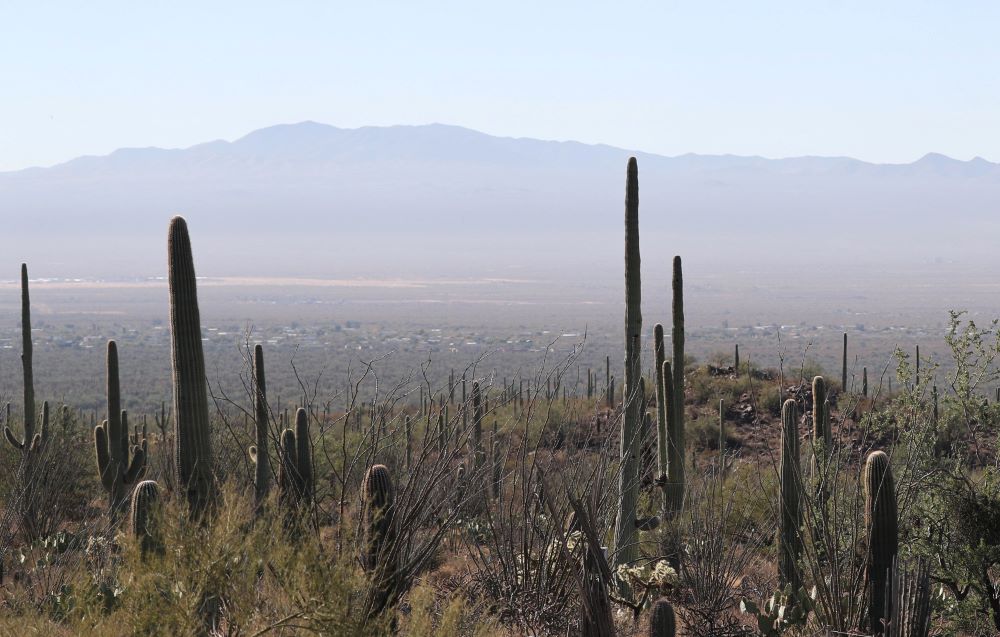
x,y
259,454
192,440
911,601
115,468
822,436
789,511
736,360
626,550
883,539
662,621
379,554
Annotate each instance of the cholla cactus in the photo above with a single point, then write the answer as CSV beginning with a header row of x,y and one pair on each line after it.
x,y
119,464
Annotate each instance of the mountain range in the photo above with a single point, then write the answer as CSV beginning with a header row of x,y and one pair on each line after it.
x,y
312,199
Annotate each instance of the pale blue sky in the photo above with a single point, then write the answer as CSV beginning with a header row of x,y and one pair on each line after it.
x,y
882,81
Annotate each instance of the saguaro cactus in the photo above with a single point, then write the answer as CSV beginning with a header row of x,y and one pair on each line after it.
x,y
789,511
911,601
477,428
843,373
662,622
626,550
378,553
883,540
822,436
659,358
114,466
677,338
31,439
144,498
192,441
258,452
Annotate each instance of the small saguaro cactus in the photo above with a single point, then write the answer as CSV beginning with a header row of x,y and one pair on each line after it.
x,y
883,540
145,495
843,372
192,440
662,622
378,553
673,488
288,474
295,476
258,452
789,511
119,464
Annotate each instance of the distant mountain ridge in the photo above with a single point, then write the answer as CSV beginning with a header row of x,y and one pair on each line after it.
x,y
407,188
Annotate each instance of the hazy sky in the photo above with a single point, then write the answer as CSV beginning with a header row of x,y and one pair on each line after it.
x,y
882,81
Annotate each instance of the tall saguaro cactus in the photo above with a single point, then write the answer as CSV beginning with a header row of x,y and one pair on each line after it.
x,y
659,358
677,338
843,372
118,472
789,511
479,452
626,550
258,452
192,440
883,539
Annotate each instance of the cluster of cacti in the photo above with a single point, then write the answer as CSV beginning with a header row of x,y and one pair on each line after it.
x,y
883,540
119,464
192,441
626,550
295,475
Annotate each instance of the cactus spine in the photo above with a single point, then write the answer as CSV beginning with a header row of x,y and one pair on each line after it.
x,y
662,622
144,498
258,452
378,552
192,440
883,541
789,512
626,550
111,440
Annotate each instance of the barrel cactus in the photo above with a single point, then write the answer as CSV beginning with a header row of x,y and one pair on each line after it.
x,y
883,540
192,440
